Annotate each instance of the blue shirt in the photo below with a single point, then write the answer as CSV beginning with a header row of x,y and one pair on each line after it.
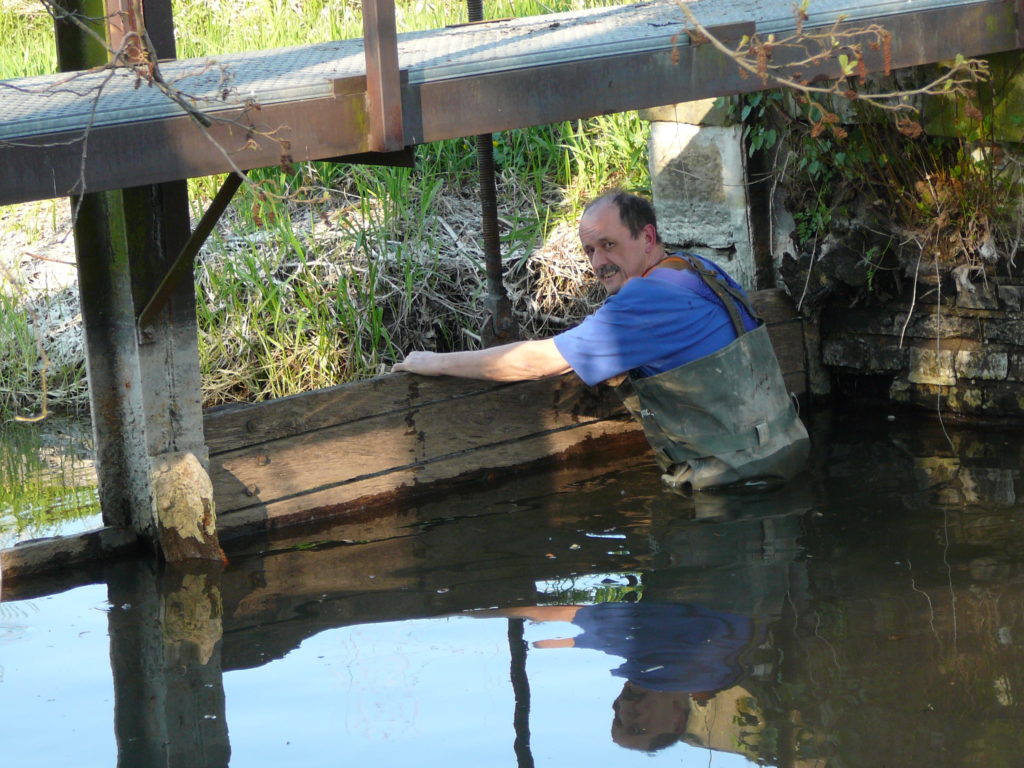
x,y
669,647
652,325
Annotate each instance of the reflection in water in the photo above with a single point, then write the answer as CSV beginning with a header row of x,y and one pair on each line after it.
x,y
165,632
47,480
673,653
870,613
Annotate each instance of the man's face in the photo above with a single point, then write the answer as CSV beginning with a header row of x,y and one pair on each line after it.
x,y
614,253
648,720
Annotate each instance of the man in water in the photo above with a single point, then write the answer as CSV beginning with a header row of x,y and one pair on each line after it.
x,y
702,375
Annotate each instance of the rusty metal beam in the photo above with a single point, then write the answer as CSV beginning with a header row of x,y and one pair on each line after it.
x,y
476,103
499,326
383,95
182,265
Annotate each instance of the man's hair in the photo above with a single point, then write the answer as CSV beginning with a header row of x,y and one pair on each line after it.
x,y
635,212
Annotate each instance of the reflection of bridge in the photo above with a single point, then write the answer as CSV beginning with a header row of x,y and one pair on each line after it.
x,y
341,100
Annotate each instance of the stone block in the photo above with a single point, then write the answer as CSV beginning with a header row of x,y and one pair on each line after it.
x,y
944,325
1004,398
930,366
996,399
1015,366
978,296
982,364
873,320
1005,331
699,187
714,112
900,390
865,354
989,486
966,400
1011,297
930,471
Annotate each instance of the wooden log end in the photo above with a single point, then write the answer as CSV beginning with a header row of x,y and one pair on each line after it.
x,y
183,509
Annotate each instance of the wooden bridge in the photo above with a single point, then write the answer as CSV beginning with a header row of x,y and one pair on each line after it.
x,y
123,139
346,98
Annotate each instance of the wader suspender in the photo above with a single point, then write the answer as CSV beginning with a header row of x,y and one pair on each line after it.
x,y
726,293
724,418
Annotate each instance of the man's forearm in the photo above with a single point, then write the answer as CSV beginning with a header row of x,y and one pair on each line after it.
x,y
519,361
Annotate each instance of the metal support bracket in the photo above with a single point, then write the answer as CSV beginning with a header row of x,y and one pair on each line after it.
x,y
383,78
182,265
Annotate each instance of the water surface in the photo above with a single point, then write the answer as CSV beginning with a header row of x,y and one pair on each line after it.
x,y
871,613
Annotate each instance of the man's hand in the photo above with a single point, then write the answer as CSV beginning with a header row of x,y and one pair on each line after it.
x,y
423,363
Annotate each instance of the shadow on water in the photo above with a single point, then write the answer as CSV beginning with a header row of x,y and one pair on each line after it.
x,y
870,613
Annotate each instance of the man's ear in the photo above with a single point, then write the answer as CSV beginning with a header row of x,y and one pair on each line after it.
x,y
650,236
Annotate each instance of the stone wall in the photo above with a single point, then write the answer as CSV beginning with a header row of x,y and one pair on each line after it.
x,y
954,345
959,350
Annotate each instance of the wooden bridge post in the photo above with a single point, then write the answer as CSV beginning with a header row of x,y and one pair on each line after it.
x,y
144,384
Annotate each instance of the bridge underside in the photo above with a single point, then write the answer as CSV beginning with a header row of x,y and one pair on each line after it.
x,y
88,132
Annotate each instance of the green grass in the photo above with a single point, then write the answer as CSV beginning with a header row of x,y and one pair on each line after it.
x,y
17,365
329,273
27,46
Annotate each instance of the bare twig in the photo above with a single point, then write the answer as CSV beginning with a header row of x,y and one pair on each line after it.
x,y
841,47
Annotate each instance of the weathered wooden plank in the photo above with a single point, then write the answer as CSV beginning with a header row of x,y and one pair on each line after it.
x,y
773,305
232,427
309,495
788,340
786,330
425,430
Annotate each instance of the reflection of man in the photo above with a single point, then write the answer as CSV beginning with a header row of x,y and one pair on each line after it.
x,y
672,654
705,382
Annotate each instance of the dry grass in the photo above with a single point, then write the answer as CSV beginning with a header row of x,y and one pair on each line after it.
x,y
351,288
